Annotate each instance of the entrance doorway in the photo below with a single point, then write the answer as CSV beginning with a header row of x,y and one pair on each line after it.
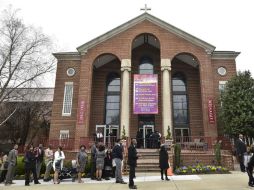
x,y
145,130
107,134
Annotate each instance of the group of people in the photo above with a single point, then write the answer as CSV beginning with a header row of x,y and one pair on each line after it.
x,y
246,158
104,163
151,140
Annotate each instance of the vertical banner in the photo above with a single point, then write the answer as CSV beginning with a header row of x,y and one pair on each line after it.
x,y
81,112
145,94
211,111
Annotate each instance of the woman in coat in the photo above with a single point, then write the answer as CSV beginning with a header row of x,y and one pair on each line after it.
x,y
30,165
58,163
163,162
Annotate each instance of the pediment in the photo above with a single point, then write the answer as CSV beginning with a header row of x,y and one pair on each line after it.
x,y
146,16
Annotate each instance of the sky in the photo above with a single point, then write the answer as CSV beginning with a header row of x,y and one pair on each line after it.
x,y
225,24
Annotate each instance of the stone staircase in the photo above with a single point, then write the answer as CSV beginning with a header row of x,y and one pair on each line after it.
x,y
149,160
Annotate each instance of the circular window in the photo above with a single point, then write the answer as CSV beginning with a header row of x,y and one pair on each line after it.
x,y
70,72
222,71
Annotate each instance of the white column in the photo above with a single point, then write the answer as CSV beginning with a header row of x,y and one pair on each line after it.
x,y
125,95
166,96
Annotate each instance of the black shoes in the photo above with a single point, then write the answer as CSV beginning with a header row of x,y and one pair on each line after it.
x,y
162,178
251,184
37,183
121,182
133,187
167,179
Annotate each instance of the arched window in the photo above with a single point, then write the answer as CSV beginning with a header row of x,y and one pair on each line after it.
x,y
180,107
146,66
112,108
180,102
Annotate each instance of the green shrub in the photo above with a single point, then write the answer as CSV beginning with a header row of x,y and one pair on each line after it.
x,y
177,156
20,170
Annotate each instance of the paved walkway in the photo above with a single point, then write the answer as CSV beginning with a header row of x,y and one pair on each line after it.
x,y
150,181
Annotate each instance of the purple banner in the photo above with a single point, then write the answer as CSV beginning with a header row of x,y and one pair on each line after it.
x,y
145,94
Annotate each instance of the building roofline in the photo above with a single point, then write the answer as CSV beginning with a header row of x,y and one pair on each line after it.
x,y
145,16
225,54
67,56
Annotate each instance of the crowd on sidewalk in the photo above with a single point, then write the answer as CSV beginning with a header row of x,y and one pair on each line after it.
x,y
105,163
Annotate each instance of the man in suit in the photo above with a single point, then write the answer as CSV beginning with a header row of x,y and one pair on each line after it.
x,y
132,162
117,155
240,150
12,160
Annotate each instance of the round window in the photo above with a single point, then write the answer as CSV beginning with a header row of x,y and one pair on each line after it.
x,y
70,72
222,71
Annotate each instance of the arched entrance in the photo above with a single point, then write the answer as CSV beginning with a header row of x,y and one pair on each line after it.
x,y
145,63
105,103
186,97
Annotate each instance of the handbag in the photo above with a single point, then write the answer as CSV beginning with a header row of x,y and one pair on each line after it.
x,y
58,164
6,164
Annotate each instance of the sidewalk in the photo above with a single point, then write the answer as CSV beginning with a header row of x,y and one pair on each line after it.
x,y
151,181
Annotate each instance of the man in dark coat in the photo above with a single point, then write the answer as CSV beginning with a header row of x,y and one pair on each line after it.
x,y
132,162
240,150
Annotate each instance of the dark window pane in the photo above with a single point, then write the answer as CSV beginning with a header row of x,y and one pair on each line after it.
x,y
185,132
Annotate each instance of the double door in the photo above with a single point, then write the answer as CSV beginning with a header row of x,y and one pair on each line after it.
x,y
107,134
145,132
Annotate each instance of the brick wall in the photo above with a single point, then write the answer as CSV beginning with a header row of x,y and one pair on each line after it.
x,y
121,46
59,122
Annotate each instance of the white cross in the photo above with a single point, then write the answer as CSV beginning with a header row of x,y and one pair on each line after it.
x,y
145,8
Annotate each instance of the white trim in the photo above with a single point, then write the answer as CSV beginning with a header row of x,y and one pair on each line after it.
x,y
67,97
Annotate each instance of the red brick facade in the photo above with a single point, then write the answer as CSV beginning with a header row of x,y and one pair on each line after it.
x,y
89,81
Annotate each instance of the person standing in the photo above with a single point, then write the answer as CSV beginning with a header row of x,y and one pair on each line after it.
x,y
163,162
81,159
58,163
249,163
93,160
108,165
39,160
240,150
100,156
4,167
132,162
117,154
30,165
49,155
12,160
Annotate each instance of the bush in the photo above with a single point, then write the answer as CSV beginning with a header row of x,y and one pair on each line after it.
x,y
177,156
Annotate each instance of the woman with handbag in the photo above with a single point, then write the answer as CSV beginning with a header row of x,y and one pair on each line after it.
x,y
58,163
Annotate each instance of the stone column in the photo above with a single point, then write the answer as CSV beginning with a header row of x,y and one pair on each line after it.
x,y
166,97
125,95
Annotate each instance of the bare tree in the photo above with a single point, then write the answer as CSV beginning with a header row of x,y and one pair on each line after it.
x,y
31,118
24,57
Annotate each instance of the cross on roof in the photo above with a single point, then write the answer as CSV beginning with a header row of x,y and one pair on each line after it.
x,y
145,8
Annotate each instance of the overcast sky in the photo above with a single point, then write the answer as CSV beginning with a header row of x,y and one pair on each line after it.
x,y
226,24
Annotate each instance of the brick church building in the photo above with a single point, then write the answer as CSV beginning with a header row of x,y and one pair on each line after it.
x,y
143,75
